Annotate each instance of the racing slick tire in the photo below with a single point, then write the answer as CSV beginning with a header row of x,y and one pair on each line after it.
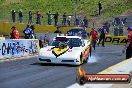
x,y
85,60
81,56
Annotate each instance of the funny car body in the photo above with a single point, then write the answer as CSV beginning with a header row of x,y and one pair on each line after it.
x,y
65,50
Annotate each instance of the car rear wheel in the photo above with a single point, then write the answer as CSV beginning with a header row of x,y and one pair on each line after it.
x,y
81,59
85,60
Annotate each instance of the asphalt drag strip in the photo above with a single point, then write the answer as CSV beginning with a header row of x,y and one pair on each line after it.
x,y
28,73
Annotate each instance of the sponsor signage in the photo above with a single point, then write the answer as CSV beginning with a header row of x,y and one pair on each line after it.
x,y
82,77
116,39
18,47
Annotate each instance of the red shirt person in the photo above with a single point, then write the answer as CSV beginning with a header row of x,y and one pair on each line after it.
x,y
38,15
15,33
130,38
128,47
94,34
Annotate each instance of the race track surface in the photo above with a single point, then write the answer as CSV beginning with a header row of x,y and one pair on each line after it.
x,y
27,73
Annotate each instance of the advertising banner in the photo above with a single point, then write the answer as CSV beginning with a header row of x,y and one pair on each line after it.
x,y
18,47
121,40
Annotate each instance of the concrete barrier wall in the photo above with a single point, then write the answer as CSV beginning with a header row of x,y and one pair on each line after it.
x,y
18,48
5,28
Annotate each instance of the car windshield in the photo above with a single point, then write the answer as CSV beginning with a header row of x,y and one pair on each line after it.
x,y
78,32
63,41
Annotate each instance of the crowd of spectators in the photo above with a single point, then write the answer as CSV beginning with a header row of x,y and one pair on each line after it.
x,y
118,24
52,18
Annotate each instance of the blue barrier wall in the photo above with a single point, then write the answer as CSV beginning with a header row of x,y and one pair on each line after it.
x,y
18,48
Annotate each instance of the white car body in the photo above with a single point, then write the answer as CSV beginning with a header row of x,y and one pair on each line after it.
x,y
69,56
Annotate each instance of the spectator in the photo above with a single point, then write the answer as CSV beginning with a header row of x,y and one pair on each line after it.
x,y
56,16
30,17
124,20
32,32
102,32
128,47
15,33
116,21
38,15
121,25
85,20
49,18
20,16
116,31
27,32
94,34
64,19
107,26
58,30
69,20
13,13
99,7
78,21
118,26
81,22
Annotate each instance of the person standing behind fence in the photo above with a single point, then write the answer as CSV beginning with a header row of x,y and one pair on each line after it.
x,y
13,14
85,20
15,33
56,16
107,26
20,16
121,25
99,7
69,20
27,32
102,32
81,22
78,21
49,18
30,17
38,15
64,19
118,26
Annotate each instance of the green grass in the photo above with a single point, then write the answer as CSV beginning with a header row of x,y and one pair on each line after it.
x,y
87,8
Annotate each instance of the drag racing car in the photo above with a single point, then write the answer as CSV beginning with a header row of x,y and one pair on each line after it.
x,y
65,50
